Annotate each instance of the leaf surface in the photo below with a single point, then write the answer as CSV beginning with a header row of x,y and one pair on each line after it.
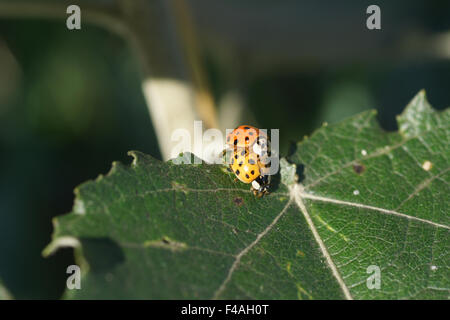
x,y
363,200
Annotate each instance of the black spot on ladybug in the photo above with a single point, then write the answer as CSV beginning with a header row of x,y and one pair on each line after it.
x,y
238,172
251,161
250,133
359,168
246,128
247,138
236,156
240,164
252,172
235,141
243,153
247,176
238,201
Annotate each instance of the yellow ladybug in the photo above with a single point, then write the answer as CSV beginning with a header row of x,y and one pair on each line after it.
x,y
248,168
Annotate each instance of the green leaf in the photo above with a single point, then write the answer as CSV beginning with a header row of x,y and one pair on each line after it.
x,y
351,198
4,294
382,199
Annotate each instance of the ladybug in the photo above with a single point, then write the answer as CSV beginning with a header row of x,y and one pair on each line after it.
x,y
248,168
248,137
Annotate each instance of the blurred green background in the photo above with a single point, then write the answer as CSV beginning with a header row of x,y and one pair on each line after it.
x,y
71,101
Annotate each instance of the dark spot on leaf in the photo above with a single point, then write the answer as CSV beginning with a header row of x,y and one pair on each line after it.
x,y
166,243
238,201
359,168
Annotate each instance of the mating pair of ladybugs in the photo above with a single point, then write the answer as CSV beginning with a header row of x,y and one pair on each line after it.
x,y
250,157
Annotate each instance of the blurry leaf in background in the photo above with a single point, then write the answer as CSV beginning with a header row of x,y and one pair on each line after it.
x,y
345,99
63,114
10,77
77,107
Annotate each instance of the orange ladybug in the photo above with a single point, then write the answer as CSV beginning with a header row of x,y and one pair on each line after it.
x,y
247,137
